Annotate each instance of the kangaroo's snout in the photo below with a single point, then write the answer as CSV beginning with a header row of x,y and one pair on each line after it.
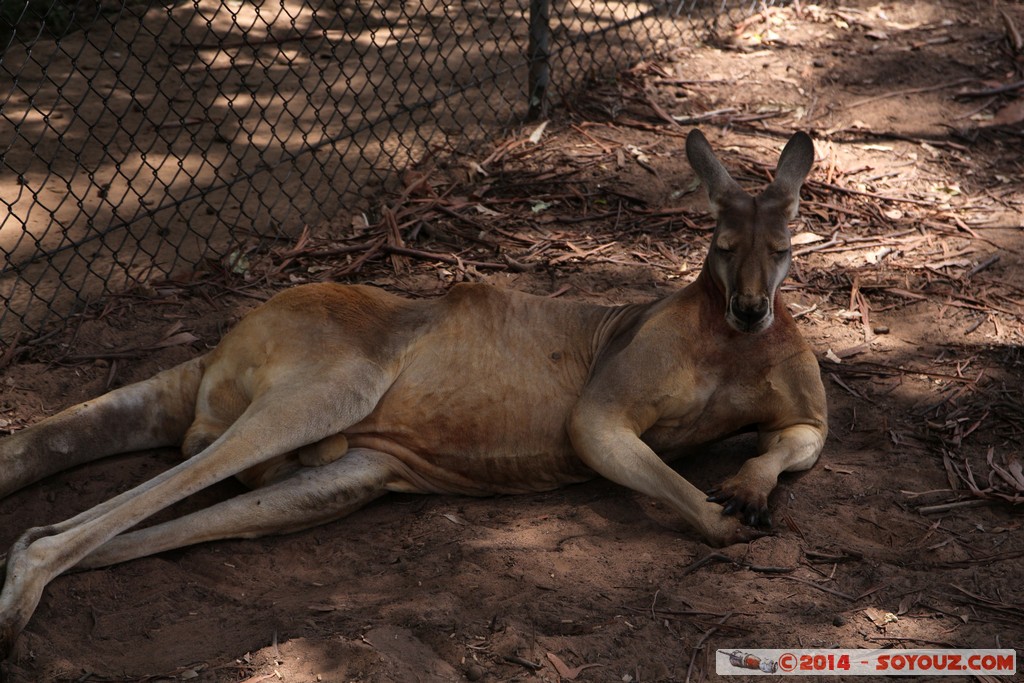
x,y
750,313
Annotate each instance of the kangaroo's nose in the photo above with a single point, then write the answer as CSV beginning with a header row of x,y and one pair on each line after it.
x,y
749,311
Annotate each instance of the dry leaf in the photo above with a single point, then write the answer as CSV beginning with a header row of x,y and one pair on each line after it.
x,y
322,607
1014,466
565,671
638,154
1011,114
538,132
879,617
906,603
176,340
876,255
803,238
487,211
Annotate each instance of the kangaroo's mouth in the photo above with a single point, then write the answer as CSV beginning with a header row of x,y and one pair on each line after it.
x,y
748,317
750,328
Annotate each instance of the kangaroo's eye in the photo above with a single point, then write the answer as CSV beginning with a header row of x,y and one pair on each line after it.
x,y
780,253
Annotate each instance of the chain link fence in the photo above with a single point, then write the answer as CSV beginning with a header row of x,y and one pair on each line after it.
x,y
138,139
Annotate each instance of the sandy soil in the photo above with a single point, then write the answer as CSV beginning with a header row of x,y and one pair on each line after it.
x,y
906,282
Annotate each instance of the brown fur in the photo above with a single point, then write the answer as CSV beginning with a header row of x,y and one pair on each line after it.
x,y
329,396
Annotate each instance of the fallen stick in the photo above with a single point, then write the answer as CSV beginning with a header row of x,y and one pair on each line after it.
x,y
824,589
946,507
983,265
516,659
443,258
1012,33
998,90
873,195
700,643
910,91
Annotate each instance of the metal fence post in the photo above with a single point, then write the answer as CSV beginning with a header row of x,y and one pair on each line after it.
x,y
540,67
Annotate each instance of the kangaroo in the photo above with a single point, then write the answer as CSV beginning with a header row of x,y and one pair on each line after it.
x,y
329,396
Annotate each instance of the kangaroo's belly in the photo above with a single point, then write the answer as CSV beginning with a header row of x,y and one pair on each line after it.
x,y
478,426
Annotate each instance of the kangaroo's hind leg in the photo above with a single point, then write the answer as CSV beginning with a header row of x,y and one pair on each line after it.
x,y
307,498
299,406
149,414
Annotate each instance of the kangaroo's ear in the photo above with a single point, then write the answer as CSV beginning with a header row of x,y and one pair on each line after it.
x,y
794,164
717,181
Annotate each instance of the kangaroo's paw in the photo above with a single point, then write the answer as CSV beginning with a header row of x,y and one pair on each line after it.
x,y
748,504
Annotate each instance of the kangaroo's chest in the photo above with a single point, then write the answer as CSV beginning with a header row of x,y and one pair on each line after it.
x,y
713,401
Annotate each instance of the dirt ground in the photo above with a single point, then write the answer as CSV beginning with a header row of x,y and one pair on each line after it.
x,y
906,281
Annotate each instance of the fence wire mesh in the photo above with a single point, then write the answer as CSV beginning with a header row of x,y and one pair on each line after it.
x,y
138,139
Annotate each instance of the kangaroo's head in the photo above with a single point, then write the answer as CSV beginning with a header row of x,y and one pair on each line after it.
x,y
750,248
